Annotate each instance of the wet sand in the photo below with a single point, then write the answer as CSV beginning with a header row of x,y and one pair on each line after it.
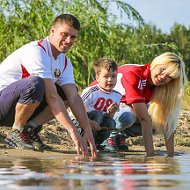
x,y
56,136
12,153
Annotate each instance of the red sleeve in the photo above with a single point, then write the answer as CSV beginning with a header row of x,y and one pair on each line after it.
x,y
133,92
93,83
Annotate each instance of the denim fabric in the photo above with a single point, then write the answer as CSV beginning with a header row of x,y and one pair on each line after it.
x,y
103,121
125,117
127,122
25,91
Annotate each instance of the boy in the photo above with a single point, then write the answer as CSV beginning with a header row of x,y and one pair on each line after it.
x,y
101,101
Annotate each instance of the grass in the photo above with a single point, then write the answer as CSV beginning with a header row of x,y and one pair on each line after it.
x,y
186,98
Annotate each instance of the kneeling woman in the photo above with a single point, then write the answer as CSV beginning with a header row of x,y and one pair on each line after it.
x,y
151,95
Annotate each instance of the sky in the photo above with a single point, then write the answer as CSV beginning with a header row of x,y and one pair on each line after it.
x,y
163,13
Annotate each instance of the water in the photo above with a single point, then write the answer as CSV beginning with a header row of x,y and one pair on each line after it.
x,y
108,172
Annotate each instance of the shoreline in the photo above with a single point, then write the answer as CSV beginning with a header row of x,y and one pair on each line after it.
x,y
57,137
61,152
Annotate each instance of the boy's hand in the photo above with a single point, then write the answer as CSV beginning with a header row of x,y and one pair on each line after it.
x,y
112,109
94,125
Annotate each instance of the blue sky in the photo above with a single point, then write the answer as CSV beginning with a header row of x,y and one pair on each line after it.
x,y
163,13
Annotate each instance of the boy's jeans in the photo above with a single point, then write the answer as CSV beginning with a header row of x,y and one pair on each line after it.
x,y
103,121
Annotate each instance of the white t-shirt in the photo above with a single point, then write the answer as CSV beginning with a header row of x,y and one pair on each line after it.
x,y
35,59
95,98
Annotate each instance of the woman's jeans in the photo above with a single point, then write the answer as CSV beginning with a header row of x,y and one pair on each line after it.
x,y
104,122
126,122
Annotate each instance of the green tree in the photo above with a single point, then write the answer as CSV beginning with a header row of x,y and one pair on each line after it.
x,y
180,35
28,20
101,34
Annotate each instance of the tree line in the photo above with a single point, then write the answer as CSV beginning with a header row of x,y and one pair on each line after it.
x,y
101,34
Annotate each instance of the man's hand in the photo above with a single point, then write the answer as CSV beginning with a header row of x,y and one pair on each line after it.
x,y
88,137
80,143
77,107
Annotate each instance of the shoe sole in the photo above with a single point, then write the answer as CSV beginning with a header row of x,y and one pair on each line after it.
x,y
39,147
10,142
13,144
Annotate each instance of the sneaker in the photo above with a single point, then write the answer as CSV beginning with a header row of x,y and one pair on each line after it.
x,y
100,147
121,143
110,144
35,138
21,140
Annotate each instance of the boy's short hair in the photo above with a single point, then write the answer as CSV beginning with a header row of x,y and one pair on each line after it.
x,y
105,63
67,19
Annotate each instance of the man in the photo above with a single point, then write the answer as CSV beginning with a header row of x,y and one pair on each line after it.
x,y
34,81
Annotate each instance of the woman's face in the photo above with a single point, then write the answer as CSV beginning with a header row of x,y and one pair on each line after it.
x,y
158,76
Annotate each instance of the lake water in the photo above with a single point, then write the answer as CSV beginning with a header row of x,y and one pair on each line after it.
x,y
108,172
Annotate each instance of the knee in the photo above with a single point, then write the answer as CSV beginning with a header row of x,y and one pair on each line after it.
x,y
35,88
96,115
109,122
112,123
126,119
37,83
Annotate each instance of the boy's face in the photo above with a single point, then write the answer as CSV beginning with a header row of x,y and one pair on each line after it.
x,y
107,79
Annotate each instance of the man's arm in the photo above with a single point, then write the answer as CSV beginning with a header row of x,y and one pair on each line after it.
x,y
77,107
58,109
146,123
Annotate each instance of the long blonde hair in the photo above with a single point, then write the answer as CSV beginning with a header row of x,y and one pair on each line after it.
x,y
166,100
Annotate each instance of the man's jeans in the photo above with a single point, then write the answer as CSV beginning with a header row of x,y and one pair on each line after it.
x,y
25,91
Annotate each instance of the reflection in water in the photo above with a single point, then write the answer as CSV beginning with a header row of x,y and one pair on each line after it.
x,y
109,172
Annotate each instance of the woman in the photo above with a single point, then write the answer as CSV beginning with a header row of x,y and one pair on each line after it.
x,y
151,95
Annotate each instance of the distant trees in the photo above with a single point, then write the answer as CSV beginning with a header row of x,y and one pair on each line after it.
x,y
101,35
180,35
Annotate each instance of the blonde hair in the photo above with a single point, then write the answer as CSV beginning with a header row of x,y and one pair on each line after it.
x,y
166,100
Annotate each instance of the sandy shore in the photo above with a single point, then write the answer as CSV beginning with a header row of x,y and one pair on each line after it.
x,y
56,136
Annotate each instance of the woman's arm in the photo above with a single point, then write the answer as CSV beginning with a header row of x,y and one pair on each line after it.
x,y
146,123
170,145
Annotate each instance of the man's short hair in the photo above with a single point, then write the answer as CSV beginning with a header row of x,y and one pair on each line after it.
x,y
67,19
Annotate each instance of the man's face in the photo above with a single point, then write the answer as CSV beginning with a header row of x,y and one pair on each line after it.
x,y
62,38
